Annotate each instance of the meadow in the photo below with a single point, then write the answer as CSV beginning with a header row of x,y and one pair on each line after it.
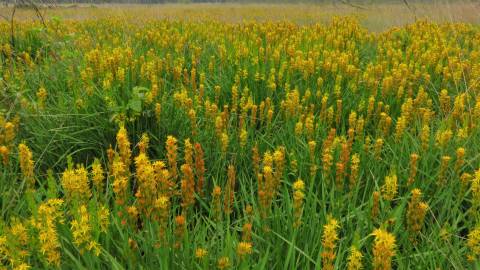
x,y
234,137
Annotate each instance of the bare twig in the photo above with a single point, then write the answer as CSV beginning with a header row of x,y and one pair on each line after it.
x,y
410,8
37,11
345,2
12,25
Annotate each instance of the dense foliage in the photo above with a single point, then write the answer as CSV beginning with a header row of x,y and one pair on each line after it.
x,y
167,144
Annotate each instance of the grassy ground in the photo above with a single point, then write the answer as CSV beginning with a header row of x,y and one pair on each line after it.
x,y
377,17
143,143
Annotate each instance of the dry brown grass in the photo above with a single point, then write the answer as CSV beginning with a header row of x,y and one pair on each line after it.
x,y
375,17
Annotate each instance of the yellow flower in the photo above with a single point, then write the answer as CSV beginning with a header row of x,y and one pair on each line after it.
x,y
98,175
216,203
223,263
187,186
49,214
390,188
4,153
41,97
229,197
76,186
200,253
224,142
298,196
354,259
354,170
445,160
473,243
82,232
124,146
413,168
243,137
143,144
171,145
416,213
329,239
244,248
26,164
158,111
103,215
299,185
199,168
460,158
180,227
383,249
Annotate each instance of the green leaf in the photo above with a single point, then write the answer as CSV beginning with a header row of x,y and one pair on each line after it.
x,y
135,105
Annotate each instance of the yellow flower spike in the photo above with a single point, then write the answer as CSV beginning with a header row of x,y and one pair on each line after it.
x,y
187,184
400,128
224,141
199,168
444,163
192,115
383,249
299,129
158,111
9,132
473,243
354,259
123,145
98,176
247,232
475,188
200,253
41,97
425,136
460,159
390,187
82,232
339,175
329,239
416,214
162,204
413,168
354,171
76,185
216,203
4,153
443,137
49,215
352,119
223,263
171,146
144,142
103,216
229,197
244,249
26,164
279,161
188,152
378,147
298,198
180,227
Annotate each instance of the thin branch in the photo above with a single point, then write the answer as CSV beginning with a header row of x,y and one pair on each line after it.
x,y
345,2
410,8
37,12
12,25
